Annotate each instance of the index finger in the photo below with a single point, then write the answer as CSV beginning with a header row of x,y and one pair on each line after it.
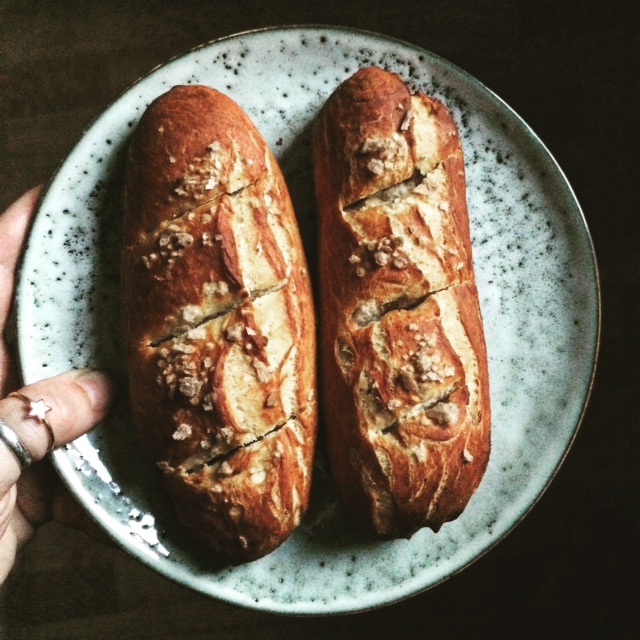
x,y
14,223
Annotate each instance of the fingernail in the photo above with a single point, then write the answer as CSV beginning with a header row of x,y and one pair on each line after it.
x,y
99,386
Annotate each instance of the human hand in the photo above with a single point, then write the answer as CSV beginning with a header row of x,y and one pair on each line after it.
x,y
37,417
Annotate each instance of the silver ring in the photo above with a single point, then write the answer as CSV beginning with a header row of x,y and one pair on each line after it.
x,y
9,437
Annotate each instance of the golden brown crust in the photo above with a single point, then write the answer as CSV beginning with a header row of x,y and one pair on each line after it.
x,y
222,154
403,357
373,93
219,323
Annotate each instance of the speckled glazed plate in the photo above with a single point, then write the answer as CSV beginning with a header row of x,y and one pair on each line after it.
x,y
536,274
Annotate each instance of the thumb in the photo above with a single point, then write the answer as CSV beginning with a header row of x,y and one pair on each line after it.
x,y
70,403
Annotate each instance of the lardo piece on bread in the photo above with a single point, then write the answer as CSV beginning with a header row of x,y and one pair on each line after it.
x,y
403,359
219,323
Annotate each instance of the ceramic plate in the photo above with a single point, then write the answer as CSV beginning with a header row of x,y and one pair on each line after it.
x,y
536,274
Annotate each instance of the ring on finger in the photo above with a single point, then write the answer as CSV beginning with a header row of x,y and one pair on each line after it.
x,y
37,411
9,437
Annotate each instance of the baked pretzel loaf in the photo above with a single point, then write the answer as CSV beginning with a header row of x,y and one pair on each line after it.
x,y
403,357
219,323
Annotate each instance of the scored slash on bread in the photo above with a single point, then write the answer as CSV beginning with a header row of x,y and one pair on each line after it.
x,y
403,358
219,323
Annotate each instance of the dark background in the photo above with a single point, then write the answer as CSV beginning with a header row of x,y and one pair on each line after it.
x,y
570,70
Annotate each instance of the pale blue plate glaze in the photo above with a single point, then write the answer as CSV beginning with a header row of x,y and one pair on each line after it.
x,y
536,274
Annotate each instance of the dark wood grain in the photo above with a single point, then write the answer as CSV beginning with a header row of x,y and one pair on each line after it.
x,y
571,71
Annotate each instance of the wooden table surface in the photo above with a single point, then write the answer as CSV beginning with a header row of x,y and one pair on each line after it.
x,y
572,565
